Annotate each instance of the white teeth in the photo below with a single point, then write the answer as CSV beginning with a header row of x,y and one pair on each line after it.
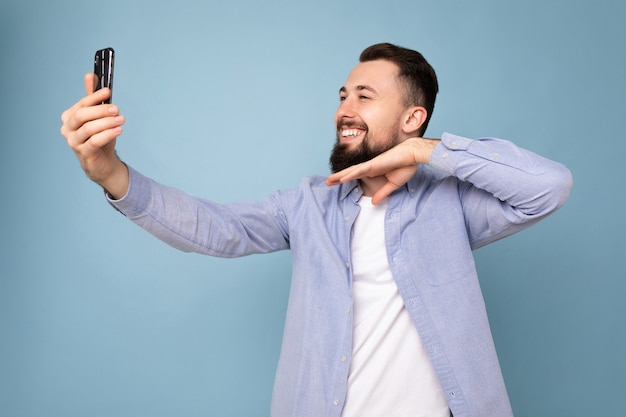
x,y
353,132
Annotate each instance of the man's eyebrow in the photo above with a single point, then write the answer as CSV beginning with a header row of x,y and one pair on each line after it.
x,y
359,88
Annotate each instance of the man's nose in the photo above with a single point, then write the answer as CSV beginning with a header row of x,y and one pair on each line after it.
x,y
346,109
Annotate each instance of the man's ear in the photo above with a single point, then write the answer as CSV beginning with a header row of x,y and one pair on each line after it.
x,y
414,118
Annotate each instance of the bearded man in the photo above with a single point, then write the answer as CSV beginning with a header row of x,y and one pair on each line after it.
x,y
386,315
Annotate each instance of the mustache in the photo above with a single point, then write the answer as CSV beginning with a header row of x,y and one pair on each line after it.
x,y
351,124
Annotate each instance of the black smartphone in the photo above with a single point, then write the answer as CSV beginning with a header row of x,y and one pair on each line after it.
x,y
103,68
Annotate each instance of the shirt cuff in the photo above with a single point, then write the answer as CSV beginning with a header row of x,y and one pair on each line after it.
x,y
137,197
447,153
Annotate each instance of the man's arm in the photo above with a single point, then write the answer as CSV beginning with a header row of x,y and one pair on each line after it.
x,y
91,130
504,188
193,224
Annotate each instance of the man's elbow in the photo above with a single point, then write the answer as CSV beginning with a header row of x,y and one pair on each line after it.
x,y
561,182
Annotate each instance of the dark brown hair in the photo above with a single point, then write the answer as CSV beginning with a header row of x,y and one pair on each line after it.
x,y
419,77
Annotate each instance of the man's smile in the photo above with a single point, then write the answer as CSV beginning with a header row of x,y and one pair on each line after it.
x,y
346,133
349,131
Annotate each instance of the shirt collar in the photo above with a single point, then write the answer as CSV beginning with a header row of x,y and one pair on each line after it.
x,y
350,188
353,188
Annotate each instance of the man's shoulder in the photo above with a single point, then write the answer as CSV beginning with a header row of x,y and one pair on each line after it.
x,y
314,180
314,187
316,184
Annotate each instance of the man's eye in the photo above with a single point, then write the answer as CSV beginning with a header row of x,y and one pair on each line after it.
x,y
364,97
342,98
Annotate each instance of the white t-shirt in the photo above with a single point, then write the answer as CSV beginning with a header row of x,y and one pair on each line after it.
x,y
390,372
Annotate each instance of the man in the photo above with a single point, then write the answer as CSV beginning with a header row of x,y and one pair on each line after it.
x,y
385,316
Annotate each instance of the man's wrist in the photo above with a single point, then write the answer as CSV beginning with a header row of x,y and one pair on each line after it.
x,y
423,149
116,185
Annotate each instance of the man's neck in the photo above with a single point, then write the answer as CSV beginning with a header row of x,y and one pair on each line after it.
x,y
371,185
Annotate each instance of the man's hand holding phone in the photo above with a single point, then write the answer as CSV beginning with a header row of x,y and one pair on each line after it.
x,y
91,129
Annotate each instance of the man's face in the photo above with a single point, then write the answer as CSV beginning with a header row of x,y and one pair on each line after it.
x,y
368,117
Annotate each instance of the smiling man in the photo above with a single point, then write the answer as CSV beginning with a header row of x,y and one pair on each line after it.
x,y
386,316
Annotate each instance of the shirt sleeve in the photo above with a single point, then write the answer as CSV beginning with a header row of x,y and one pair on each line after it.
x,y
503,188
193,224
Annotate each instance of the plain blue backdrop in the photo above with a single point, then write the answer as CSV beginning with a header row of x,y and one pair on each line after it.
x,y
231,100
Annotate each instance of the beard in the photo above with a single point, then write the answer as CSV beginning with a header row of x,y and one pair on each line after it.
x,y
342,156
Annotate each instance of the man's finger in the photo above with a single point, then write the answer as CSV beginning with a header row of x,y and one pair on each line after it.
x,y
90,82
384,192
344,175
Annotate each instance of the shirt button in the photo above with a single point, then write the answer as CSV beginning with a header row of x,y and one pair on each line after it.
x,y
347,218
445,155
348,265
453,145
336,402
343,358
348,310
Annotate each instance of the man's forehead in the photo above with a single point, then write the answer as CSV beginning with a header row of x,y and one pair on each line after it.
x,y
376,75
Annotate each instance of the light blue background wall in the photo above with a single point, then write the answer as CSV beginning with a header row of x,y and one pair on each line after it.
x,y
233,99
